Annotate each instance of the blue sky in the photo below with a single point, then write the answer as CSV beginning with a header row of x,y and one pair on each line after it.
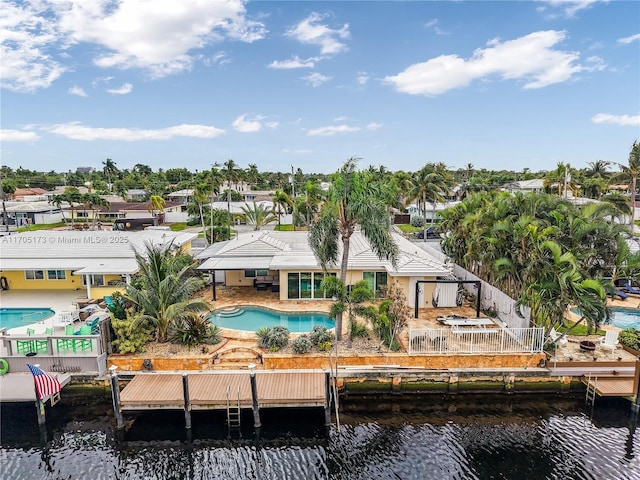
x,y
501,85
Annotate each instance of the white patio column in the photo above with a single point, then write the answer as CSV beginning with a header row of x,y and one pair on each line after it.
x,y
88,283
127,279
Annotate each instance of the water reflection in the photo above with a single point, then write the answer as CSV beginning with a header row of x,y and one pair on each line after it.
x,y
468,437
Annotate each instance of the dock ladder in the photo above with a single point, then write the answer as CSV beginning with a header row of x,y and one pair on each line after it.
x,y
233,412
590,395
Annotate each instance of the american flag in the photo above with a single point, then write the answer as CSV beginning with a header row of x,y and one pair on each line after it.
x,y
45,384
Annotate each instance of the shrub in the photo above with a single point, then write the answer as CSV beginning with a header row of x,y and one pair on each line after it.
x,y
324,346
359,330
128,339
274,338
417,221
215,336
319,334
631,338
118,306
190,331
301,344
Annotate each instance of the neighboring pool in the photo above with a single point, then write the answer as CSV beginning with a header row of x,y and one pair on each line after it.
x,y
253,318
622,317
19,317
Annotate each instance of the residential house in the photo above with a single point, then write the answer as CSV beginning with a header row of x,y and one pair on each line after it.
x,y
286,259
32,213
91,261
137,194
32,194
120,210
535,185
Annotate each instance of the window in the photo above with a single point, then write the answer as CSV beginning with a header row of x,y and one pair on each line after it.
x,y
375,280
302,285
95,280
255,273
34,274
56,275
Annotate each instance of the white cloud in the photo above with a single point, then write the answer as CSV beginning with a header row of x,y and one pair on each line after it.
x,y
76,90
245,125
373,126
311,31
622,120
298,151
571,7
77,131
7,135
362,78
27,37
331,130
341,118
531,59
433,25
316,79
160,37
123,90
629,39
295,62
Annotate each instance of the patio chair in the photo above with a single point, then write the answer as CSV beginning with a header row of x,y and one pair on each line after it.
x,y
42,346
610,340
25,346
557,337
65,344
94,324
83,344
109,301
627,287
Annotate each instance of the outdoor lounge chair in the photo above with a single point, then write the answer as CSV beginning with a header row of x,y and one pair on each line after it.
x,y
621,294
83,344
610,340
109,302
628,288
557,337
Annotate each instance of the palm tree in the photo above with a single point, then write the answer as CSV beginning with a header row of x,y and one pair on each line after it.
x,y
349,301
258,215
353,200
162,296
58,200
156,204
200,195
253,174
281,203
431,182
74,197
110,170
94,200
230,173
632,170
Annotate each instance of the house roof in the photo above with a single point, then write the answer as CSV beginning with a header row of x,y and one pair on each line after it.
x,y
21,192
290,250
186,192
30,207
82,252
124,206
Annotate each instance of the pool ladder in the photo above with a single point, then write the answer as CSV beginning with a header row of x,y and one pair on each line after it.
x,y
233,413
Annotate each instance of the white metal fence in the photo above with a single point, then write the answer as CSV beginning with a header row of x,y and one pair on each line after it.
x,y
476,340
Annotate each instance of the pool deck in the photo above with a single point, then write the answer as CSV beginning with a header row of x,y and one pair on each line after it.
x,y
57,300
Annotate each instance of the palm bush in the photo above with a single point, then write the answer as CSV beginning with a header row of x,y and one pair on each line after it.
x,y
301,344
215,336
190,330
319,334
274,338
162,291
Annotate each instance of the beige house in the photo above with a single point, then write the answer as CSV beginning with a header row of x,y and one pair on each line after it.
x,y
284,263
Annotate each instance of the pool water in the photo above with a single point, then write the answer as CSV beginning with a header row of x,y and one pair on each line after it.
x,y
626,318
253,318
19,317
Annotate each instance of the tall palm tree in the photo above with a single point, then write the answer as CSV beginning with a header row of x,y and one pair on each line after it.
x,y
281,203
93,200
230,168
632,170
257,215
162,296
430,183
200,195
110,170
353,200
58,200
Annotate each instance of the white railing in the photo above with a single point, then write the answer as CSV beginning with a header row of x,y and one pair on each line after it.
x,y
476,340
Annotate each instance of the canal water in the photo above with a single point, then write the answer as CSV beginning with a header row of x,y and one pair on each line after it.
x,y
431,437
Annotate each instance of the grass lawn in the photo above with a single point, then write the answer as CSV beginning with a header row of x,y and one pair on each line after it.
x,y
406,228
178,227
579,331
284,227
34,228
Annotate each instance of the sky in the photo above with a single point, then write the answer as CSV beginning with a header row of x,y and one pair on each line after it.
x,y
306,84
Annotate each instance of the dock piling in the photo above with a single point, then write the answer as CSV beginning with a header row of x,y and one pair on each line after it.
x,y
254,397
187,404
115,396
327,393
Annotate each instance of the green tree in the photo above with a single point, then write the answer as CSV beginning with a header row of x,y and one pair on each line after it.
x,y
162,294
257,215
201,194
353,200
348,301
282,203
156,205
110,171
631,171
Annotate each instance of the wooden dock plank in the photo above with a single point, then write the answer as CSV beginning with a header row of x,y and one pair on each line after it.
x,y
621,386
281,388
161,390
211,389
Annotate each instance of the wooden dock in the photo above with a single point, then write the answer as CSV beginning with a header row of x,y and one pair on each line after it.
x,y
208,390
19,387
612,385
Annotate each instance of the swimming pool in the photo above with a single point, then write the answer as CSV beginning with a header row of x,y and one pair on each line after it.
x,y
253,318
626,318
19,317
